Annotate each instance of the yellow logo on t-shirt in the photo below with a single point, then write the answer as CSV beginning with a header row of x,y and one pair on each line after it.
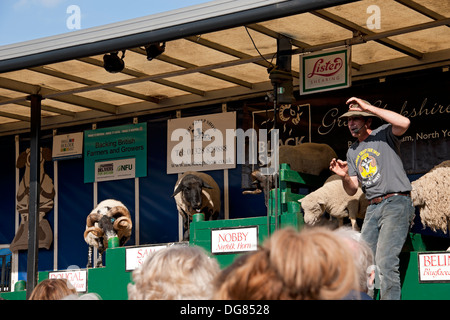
x,y
368,166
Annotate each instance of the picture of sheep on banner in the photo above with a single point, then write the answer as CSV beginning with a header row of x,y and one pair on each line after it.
x,y
47,193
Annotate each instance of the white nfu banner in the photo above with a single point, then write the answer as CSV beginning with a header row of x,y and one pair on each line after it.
x,y
115,170
325,71
200,143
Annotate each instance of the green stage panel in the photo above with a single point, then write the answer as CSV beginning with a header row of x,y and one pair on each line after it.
x,y
201,231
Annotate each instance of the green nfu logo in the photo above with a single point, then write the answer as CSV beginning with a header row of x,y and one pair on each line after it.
x,y
125,167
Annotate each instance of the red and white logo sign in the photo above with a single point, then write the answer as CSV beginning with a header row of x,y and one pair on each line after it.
x,y
234,240
134,257
77,278
324,71
434,267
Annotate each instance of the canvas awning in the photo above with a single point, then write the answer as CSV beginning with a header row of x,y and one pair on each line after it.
x,y
211,56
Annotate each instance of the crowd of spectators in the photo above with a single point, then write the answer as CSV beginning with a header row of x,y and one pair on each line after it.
x,y
314,263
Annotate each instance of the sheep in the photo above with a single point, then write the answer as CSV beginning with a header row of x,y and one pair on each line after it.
x,y
332,198
110,218
196,192
46,195
309,157
431,194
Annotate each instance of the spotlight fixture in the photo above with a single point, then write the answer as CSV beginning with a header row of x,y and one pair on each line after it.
x,y
282,83
112,63
154,49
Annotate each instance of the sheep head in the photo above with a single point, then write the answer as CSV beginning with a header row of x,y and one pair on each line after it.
x,y
190,188
313,209
108,219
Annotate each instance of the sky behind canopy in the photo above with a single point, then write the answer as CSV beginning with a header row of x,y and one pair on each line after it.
x,y
23,20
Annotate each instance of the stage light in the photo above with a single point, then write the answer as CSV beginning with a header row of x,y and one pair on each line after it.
x,y
112,63
154,49
282,83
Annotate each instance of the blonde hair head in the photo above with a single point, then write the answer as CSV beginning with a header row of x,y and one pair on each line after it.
x,y
174,273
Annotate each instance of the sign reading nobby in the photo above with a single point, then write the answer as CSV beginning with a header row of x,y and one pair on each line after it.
x,y
241,239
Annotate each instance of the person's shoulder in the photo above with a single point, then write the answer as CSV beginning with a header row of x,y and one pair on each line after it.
x,y
383,127
353,146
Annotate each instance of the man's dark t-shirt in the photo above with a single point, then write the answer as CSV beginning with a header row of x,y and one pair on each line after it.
x,y
377,163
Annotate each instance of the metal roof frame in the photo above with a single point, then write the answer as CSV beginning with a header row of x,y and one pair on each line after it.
x,y
210,58
77,97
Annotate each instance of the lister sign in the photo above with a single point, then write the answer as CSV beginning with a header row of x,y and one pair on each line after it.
x,y
325,71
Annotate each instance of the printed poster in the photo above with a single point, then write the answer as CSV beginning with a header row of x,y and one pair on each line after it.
x,y
112,149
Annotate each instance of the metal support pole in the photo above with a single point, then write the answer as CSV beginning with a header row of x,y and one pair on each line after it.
x,y
33,206
281,79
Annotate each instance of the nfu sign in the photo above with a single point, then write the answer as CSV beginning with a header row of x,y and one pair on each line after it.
x,y
115,170
325,71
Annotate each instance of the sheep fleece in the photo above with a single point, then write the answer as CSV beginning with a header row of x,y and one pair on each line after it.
x,y
431,194
308,157
332,198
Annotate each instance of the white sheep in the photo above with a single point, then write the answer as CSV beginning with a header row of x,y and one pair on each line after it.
x,y
110,218
431,194
332,198
196,192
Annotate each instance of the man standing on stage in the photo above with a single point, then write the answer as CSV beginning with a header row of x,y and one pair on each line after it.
x,y
373,161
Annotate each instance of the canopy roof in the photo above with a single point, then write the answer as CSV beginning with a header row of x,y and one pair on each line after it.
x,y
211,56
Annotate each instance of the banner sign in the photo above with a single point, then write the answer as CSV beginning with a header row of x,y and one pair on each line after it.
x,y
325,71
434,267
234,240
115,170
135,256
108,153
67,146
200,143
77,278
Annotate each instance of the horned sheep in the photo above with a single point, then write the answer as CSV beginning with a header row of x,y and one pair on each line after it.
x,y
196,192
431,194
109,219
332,198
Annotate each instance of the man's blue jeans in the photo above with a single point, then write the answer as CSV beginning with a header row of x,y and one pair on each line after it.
x,y
385,228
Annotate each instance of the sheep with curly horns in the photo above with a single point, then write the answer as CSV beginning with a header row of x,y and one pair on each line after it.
x,y
109,219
